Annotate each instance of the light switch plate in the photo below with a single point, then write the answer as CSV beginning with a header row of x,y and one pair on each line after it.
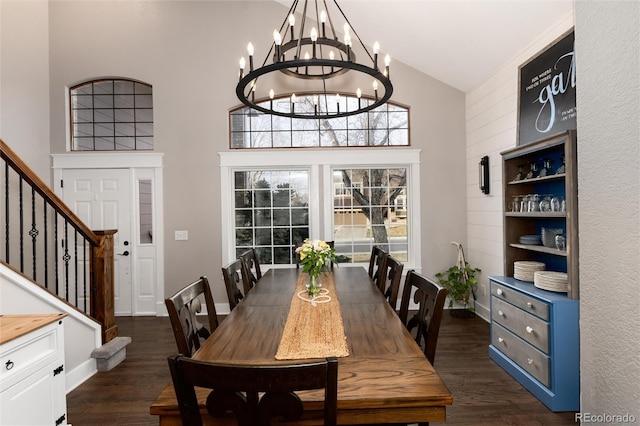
x,y
182,235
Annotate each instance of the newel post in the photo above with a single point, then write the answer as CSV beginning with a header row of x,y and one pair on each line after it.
x,y
102,308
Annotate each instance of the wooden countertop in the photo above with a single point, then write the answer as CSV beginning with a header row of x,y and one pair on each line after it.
x,y
14,326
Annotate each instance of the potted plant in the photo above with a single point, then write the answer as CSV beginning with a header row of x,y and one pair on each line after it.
x,y
460,282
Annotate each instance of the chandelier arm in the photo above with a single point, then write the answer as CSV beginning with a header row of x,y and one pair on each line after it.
x,y
301,32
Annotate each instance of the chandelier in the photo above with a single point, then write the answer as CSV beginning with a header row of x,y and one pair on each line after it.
x,y
316,62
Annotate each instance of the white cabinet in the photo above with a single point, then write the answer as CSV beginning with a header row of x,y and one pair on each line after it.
x,y
32,377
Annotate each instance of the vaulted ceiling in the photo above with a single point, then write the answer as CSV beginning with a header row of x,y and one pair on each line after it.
x,y
459,42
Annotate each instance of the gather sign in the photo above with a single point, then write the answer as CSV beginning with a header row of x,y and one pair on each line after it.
x,y
547,91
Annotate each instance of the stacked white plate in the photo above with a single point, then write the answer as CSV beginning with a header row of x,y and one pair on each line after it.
x,y
525,269
534,240
550,280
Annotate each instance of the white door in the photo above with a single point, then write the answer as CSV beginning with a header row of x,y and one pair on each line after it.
x,y
102,199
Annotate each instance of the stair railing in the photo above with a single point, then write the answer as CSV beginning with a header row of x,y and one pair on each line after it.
x,y
48,242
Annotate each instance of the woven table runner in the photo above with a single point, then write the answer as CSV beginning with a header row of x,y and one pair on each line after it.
x,y
313,331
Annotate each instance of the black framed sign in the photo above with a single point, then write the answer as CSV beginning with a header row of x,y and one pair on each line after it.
x,y
547,91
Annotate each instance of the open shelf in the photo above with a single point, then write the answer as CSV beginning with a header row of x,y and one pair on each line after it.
x,y
540,249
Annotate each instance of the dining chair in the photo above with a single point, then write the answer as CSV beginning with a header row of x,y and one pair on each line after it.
x,y
230,383
430,297
251,266
376,266
392,276
183,307
235,278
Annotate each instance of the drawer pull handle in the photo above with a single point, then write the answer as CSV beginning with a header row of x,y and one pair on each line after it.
x,y
529,330
499,292
529,361
500,339
500,313
8,365
529,305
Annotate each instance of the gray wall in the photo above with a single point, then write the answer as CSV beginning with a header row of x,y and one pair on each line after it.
x,y
189,52
608,101
24,81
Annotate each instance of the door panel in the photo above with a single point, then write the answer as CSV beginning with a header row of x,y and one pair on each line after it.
x,y
102,199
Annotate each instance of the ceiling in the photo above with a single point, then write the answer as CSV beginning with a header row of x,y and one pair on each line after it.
x,y
459,42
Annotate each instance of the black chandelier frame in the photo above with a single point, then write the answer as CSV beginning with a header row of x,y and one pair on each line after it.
x,y
314,68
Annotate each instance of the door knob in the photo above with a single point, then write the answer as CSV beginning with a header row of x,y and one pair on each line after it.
x,y
124,253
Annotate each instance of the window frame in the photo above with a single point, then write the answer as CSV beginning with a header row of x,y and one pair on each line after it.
x,y
320,164
388,108
70,116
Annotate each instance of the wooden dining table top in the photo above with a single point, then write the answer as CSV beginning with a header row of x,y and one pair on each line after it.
x,y
385,378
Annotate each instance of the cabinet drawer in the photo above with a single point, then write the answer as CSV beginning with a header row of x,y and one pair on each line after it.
x,y
522,301
526,356
21,356
526,326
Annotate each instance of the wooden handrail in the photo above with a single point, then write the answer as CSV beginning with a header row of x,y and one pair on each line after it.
x,y
43,189
101,254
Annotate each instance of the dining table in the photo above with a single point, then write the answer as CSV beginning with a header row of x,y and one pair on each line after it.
x,y
383,377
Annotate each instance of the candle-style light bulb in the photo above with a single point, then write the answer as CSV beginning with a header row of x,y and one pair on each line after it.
x,y
293,102
250,52
277,39
271,95
292,23
323,20
306,55
314,38
242,65
387,61
347,42
346,28
359,95
375,88
376,50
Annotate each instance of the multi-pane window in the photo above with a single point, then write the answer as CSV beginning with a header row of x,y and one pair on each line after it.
x,y
387,125
271,209
111,115
369,208
355,198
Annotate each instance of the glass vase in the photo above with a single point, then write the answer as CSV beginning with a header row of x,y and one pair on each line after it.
x,y
313,287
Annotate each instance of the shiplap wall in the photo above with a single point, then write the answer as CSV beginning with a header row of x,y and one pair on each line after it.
x,y
491,126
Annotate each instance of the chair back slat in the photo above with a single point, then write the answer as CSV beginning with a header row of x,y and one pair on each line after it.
x,y
183,308
254,393
393,276
251,267
235,278
376,266
430,297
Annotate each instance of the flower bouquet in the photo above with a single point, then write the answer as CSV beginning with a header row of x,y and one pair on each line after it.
x,y
313,258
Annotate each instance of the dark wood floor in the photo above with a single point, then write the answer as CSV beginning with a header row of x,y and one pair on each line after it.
x,y
483,394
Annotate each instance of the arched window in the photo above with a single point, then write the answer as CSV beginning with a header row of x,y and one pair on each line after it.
x,y
387,125
111,115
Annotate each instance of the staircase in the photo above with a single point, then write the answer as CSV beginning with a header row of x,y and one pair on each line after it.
x,y
50,261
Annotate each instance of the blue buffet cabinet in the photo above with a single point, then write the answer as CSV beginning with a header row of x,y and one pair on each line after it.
x,y
535,337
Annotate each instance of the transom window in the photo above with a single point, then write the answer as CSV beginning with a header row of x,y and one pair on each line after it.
x,y
387,125
111,115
